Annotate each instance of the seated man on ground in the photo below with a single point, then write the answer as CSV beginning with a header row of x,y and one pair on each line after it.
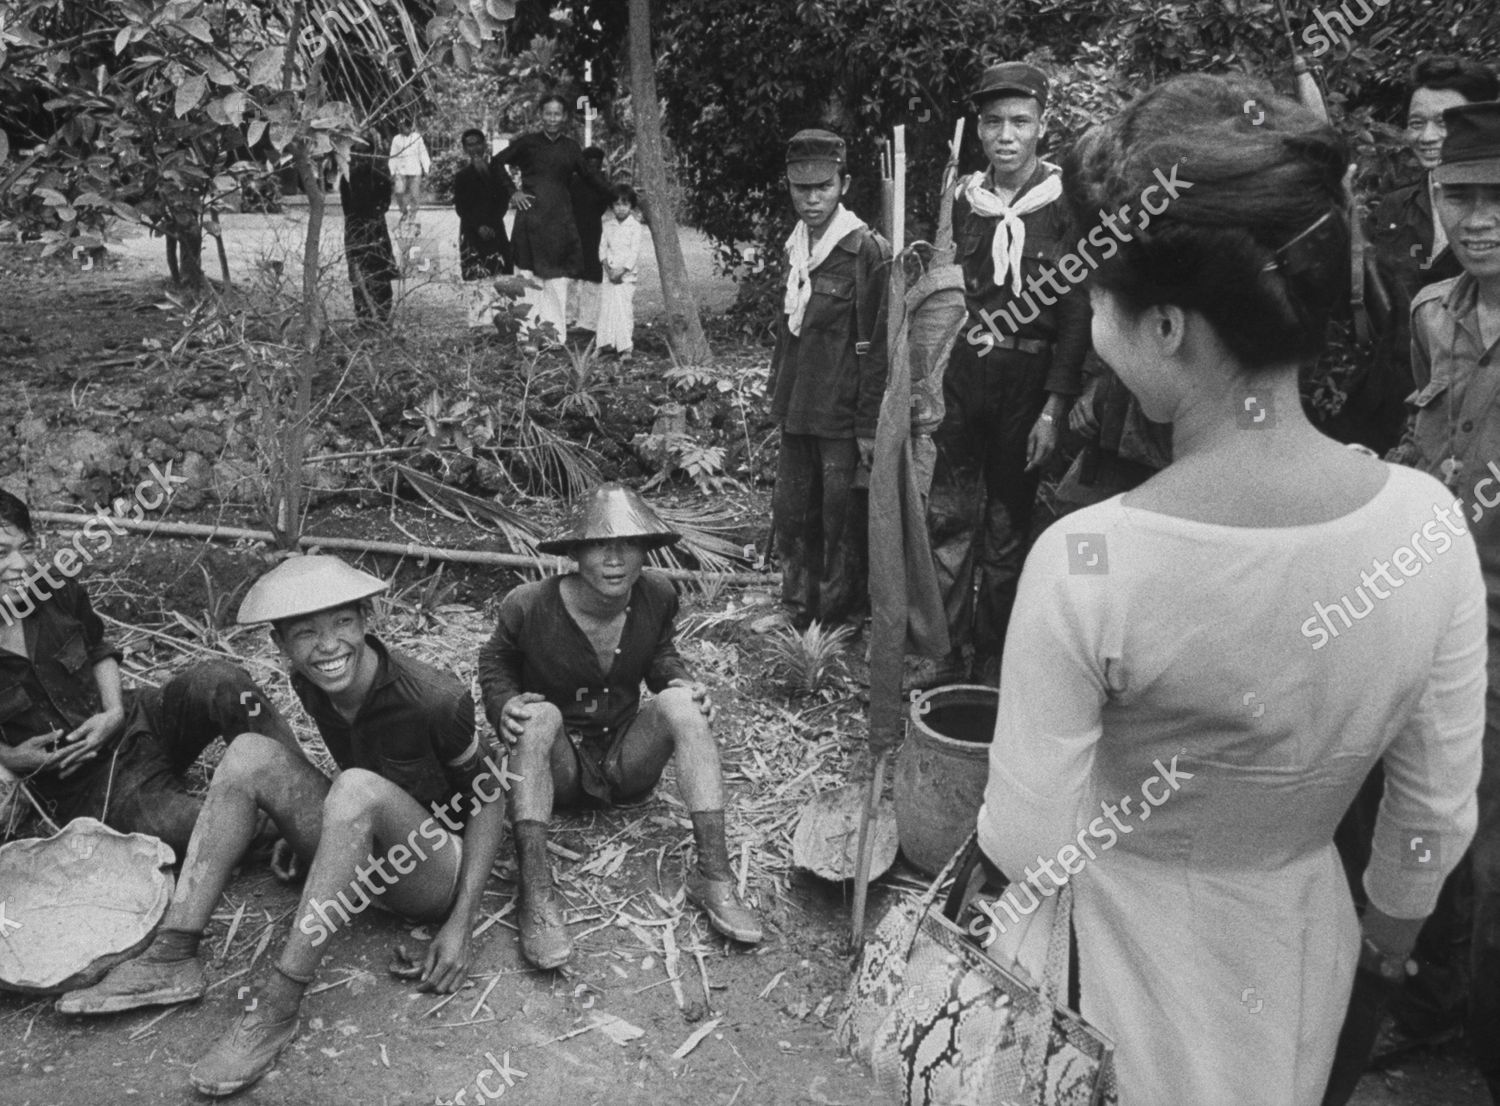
x,y
561,680
403,735
84,747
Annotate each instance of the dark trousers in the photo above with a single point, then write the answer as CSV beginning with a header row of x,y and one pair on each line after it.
x,y
140,787
819,522
1484,860
372,266
979,511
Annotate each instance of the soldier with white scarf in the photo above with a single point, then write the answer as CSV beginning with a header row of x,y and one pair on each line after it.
x,y
1012,376
827,377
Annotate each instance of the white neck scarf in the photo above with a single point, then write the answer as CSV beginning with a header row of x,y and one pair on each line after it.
x,y
803,262
1010,232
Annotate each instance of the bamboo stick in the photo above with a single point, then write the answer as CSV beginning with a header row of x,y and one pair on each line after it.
x,y
401,549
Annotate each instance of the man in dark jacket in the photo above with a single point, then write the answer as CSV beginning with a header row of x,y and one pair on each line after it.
x,y
366,196
481,196
1014,370
827,377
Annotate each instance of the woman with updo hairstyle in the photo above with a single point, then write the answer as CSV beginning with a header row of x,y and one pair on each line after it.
x,y
545,240
1201,672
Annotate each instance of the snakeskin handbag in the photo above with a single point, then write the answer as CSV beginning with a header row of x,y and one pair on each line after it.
x,y
943,1024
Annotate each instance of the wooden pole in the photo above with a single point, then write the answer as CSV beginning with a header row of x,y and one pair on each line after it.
x,y
896,333
540,564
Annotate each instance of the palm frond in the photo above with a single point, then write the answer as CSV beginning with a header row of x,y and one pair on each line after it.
x,y
519,532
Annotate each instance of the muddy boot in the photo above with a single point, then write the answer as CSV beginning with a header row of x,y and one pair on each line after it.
x,y
168,972
256,1039
710,885
544,937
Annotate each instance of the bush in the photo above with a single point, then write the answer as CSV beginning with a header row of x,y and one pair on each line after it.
x,y
444,168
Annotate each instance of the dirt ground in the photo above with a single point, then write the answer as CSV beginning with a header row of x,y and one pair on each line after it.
x,y
372,1039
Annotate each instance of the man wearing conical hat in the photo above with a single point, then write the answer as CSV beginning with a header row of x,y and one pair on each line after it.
x,y
561,680
412,821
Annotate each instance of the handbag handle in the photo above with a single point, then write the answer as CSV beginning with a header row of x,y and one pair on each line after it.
x,y
1033,1037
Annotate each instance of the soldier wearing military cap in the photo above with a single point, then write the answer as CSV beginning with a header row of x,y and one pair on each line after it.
x,y
417,790
1014,370
561,680
828,374
1454,434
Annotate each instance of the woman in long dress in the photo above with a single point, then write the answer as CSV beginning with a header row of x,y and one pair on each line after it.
x,y
1200,673
545,241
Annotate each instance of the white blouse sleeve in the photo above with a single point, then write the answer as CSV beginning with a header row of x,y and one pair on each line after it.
x,y
1049,725
1429,812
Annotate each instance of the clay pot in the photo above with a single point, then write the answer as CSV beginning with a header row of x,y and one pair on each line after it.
x,y
941,771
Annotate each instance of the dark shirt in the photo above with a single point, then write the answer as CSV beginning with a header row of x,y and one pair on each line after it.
x,y
588,213
53,687
415,728
1401,232
821,384
538,647
365,194
546,237
1064,325
481,197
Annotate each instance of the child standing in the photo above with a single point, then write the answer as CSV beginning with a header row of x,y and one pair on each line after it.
x,y
619,253
827,377
409,163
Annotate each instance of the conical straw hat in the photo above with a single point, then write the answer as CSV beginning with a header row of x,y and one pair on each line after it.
x,y
305,585
610,511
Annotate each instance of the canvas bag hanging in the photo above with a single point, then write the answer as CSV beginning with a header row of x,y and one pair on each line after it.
x,y
943,1024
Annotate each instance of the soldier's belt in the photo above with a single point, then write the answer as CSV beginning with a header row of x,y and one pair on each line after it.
x,y
1025,345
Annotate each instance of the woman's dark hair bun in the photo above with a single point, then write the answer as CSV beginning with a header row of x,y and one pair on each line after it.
x,y
1254,170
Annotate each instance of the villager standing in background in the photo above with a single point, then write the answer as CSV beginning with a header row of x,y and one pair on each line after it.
x,y
366,196
546,242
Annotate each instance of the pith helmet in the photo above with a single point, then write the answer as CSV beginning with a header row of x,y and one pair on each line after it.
x,y
610,511
305,585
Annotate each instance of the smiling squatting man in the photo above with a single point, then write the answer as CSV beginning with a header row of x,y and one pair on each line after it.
x,y
561,680
412,821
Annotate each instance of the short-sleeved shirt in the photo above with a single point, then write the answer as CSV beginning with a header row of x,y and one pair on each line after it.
x,y
53,688
538,647
415,728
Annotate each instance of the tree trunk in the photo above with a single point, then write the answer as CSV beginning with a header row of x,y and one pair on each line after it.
x,y
684,328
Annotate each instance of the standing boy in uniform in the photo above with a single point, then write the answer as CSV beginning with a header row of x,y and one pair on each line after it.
x,y
1013,373
828,374
414,776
